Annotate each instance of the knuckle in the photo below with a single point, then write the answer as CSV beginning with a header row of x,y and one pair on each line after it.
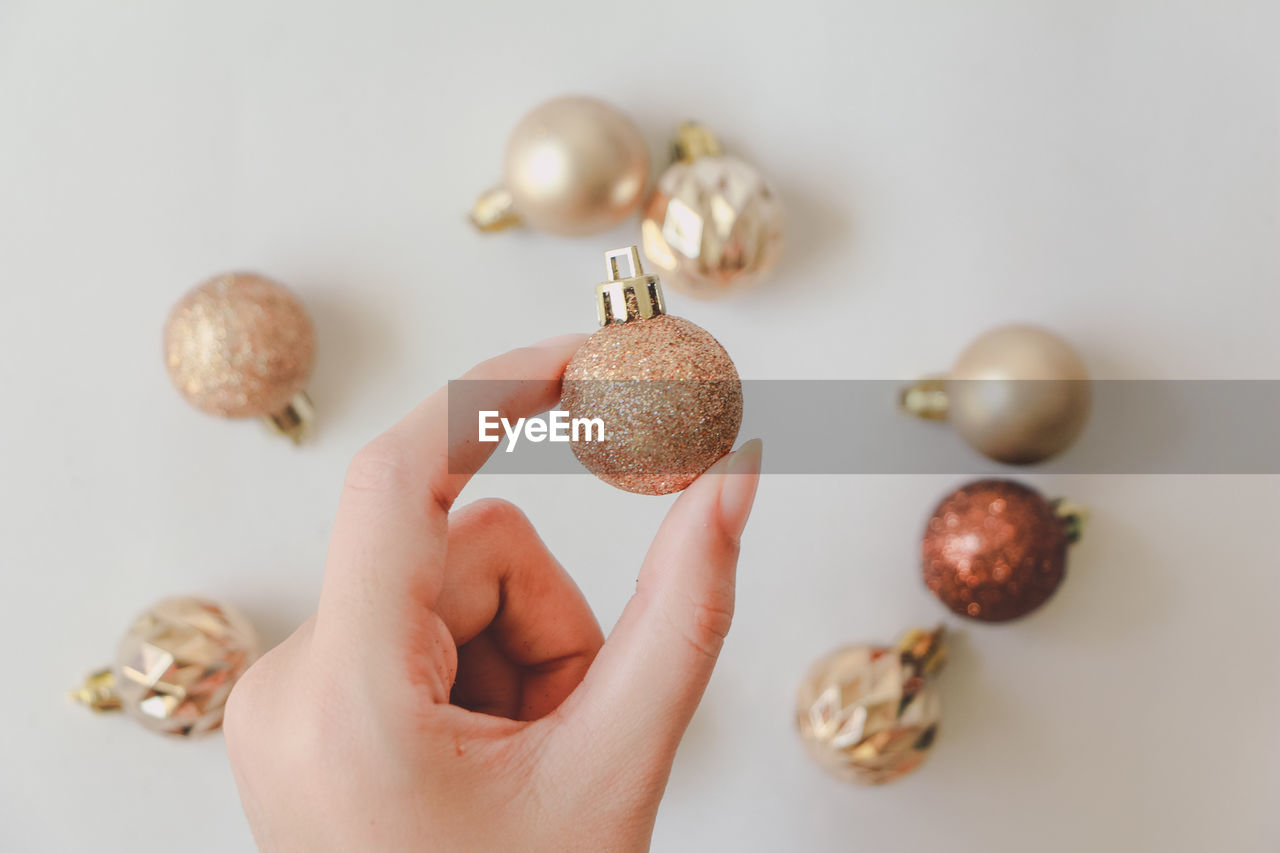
x,y
380,467
238,713
710,627
493,514
707,626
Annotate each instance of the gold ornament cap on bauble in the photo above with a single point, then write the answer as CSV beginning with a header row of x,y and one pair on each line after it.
x,y
176,666
870,714
666,392
240,345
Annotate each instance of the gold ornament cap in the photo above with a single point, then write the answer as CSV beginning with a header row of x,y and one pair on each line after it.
x,y
923,650
694,140
624,298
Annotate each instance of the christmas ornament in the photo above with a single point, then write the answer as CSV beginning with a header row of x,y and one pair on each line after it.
x,y
574,165
175,666
712,225
1019,394
995,550
667,393
240,346
870,713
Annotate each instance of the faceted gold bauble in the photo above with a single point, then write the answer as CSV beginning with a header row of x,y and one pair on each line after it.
x,y
712,226
1019,394
870,713
239,345
178,661
669,397
575,165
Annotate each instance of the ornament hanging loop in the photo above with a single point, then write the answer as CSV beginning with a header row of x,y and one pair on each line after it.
x,y
614,271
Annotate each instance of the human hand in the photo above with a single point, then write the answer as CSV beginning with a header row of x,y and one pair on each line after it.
x,y
453,690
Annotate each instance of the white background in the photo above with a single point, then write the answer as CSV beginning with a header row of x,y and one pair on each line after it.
x,y
1110,169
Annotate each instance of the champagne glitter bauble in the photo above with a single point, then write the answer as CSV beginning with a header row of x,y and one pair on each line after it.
x,y
995,550
176,666
870,714
666,392
240,345
712,226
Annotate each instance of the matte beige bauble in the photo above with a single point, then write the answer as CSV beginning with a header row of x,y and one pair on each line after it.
x,y
574,165
1019,394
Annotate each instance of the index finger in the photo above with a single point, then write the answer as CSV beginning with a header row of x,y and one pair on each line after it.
x,y
388,545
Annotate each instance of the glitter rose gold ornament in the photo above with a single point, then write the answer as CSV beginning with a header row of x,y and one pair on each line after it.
x,y
574,165
240,346
1018,394
666,392
175,666
995,550
870,713
712,226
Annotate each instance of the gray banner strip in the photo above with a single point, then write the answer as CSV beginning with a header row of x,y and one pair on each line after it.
x,y
855,427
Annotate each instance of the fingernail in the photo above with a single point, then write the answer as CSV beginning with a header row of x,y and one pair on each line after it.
x,y
560,341
738,488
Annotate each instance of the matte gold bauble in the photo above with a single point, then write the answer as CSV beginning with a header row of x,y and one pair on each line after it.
x,y
1018,394
574,165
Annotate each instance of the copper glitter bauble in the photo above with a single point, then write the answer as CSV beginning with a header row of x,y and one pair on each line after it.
x,y
869,713
712,226
666,392
995,550
240,345
176,666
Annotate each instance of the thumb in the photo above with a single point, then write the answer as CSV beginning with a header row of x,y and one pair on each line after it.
x,y
638,697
